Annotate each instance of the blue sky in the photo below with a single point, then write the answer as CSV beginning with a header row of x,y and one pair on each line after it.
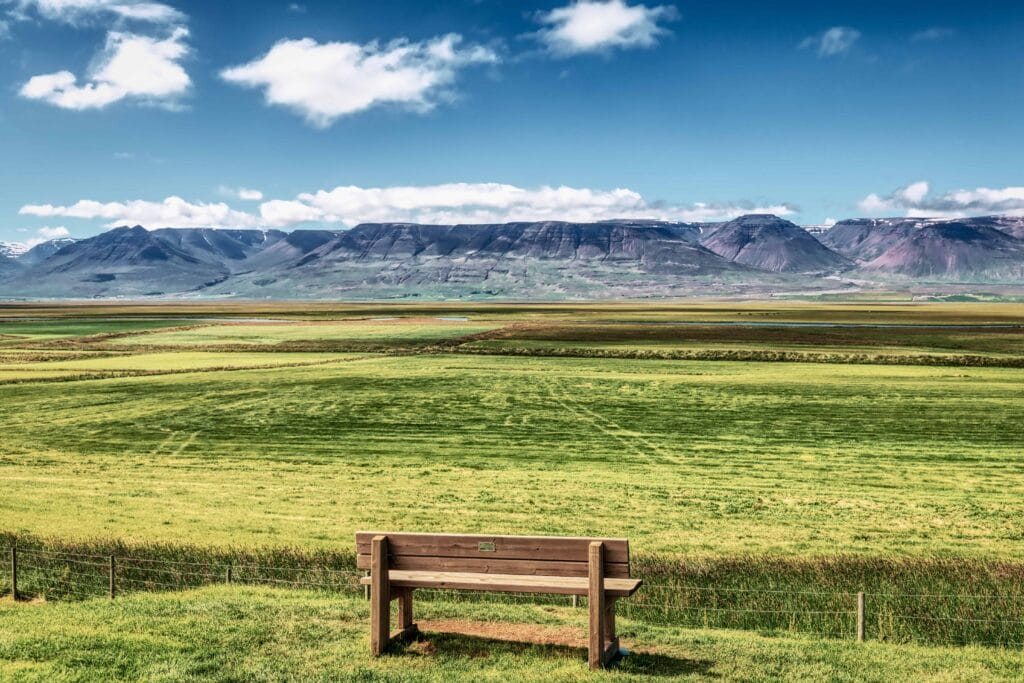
x,y
331,113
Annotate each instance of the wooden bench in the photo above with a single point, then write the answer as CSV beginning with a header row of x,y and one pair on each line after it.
x,y
399,563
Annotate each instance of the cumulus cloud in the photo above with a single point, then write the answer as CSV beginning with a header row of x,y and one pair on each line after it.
x,y
79,11
324,82
173,212
438,204
488,203
831,42
131,66
916,200
601,25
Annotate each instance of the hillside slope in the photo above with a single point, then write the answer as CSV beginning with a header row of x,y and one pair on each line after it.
x,y
771,243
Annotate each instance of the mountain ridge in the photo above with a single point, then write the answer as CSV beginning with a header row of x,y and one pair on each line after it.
x,y
547,259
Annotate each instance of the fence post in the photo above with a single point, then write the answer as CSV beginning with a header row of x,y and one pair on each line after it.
x,y
860,617
14,572
227,575
575,601
366,588
113,585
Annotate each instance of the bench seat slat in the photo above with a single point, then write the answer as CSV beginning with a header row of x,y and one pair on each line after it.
x,y
506,583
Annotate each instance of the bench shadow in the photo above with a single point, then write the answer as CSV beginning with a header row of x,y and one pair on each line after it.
x,y
475,647
653,664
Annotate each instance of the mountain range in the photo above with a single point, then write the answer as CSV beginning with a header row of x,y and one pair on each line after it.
x,y
551,259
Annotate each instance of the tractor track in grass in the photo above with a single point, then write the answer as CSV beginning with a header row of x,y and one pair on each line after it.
x,y
631,440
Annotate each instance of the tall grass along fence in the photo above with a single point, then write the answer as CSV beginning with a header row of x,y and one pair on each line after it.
x,y
948,601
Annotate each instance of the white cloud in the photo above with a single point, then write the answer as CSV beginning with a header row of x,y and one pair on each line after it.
x,y
78,11
438,204
932,34
916,200
45,234
829,222
487,203
243,193
283,212
600,25
324,82
831,42
132,66
173,212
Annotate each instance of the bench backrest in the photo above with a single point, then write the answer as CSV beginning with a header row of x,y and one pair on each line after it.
x,y
478,553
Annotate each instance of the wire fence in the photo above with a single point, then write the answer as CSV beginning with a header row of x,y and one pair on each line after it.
x,y
995,619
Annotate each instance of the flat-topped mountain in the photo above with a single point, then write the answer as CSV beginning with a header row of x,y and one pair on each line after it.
x,y
863,239
982,249
771,243
953,250
530,259
547,259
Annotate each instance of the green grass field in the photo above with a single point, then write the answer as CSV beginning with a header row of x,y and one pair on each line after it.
x,y
259,634
890,461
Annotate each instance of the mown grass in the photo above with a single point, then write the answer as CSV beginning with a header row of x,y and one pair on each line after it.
x,y
682,457
262,634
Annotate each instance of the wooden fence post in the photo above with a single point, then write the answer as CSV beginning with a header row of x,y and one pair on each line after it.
x,y
14,572
113,584
860,617
227,575
575,601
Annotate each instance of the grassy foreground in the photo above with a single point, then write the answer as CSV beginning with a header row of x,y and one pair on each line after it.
x,y
259,634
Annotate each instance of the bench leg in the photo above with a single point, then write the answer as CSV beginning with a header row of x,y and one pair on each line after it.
x,y
405,608
408,630
380,596
611,651
596,606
